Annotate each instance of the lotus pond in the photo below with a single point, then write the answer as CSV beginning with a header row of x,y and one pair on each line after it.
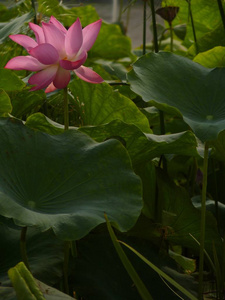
x,y
112,159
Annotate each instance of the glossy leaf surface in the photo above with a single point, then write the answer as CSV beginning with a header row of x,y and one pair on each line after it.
x,y
195,91
65,182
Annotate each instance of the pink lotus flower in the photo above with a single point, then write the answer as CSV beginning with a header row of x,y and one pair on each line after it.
x,y
55,53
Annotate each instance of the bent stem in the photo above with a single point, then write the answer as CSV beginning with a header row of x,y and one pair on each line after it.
x,y
66,111
203,216
23,249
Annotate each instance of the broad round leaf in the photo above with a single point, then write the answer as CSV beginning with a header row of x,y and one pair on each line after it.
x,y
65,182
197,92
100,104
143,147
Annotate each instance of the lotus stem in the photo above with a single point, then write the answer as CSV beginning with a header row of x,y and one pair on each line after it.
x,y
156,47
23,249
144,27
203,216
65,265
220,5
216,192
120,11
66,110
155,36
35,13
192,24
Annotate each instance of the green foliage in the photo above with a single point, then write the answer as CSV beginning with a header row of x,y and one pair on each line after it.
x,y
116,159
192,89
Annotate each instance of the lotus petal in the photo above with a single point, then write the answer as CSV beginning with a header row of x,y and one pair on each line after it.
x,y
90,33
71,65
38,31
88,75
24,63
50,88
62,78
43,78
59,25
74,39
45,53
24,40
55,37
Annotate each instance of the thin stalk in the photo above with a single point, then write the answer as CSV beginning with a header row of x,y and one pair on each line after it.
x,y
65,265
23,249
73,248
66,111
220,5
121,11
192,24
128,17
144,26
155,36
35,13
216,192
171,37
203,216
156,47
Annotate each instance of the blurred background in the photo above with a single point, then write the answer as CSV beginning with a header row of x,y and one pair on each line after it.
x,y
128,13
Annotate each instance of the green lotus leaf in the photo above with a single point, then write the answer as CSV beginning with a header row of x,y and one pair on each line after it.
x,y
68,16
40,122
5,104
65,182
197,92
14,26
25,103
212,58
116,44
99,104
45,265
9,81
180,218
143,147
208,41
205,14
